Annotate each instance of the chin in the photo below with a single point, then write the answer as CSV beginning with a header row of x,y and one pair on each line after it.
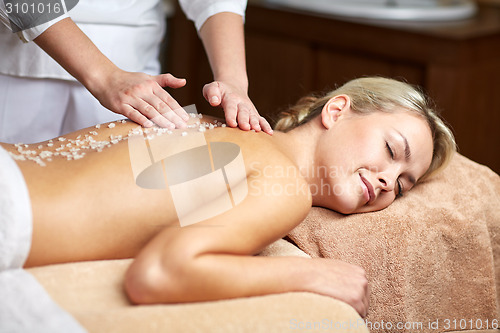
x,y
344,208
367,209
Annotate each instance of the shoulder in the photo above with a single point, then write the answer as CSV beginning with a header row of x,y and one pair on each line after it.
x,y
273,179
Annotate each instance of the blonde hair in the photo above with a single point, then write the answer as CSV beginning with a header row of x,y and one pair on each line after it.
x,y
372,94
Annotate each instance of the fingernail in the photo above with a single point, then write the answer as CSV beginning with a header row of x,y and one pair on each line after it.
x,y
214,100
148,123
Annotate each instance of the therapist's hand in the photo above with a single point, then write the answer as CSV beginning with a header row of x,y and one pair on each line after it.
x,y
238,108
141,98
137,96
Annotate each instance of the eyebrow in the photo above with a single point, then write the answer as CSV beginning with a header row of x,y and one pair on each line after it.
x,y
411,179
407,147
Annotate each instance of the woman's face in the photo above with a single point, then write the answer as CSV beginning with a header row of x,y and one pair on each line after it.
x,y
366,161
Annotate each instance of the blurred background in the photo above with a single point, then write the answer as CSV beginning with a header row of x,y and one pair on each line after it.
x,y
294,47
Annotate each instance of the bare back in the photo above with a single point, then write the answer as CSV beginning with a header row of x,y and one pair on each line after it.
x,y
91,208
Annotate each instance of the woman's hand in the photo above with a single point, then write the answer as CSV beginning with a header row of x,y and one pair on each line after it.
x,y
137,96
141,98
238,108
340,280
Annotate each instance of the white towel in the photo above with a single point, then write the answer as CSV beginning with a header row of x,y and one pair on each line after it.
x,y
24,305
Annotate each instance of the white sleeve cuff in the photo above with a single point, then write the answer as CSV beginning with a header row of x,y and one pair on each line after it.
x,y
200,11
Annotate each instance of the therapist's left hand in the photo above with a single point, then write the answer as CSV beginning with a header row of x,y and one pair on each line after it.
x,y
238,108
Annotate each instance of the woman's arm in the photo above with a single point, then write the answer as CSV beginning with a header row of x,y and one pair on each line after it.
x,y
223,38
214,259
138,96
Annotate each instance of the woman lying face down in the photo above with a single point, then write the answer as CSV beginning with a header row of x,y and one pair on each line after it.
x,y
354,150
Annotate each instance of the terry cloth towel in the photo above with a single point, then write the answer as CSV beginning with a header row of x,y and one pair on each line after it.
x,y
24,305
433,256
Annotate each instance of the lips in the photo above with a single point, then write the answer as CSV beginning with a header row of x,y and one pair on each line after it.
x,y
370,194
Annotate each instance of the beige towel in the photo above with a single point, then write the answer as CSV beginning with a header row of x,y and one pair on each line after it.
x,y
93,293
432,255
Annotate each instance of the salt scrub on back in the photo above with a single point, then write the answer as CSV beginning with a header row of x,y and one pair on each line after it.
x,y
75,149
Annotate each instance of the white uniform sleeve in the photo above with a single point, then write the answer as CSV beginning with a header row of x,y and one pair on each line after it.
x,y
200,10
29,34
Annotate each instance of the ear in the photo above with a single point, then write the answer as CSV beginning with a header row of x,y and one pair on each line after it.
x,y
333,109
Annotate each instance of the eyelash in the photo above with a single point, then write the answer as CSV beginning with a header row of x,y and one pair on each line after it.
x,y
400,186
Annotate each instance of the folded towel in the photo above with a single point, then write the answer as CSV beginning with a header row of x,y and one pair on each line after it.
x,y
15,215
429,256
24,304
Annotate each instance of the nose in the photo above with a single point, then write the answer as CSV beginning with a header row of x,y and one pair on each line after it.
x,y
387,179
385,182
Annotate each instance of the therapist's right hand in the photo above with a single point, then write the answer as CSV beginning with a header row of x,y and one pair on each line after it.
x,y
138,96
141,98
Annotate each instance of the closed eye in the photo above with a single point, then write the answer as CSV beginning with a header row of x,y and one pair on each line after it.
x,y
398,182
389,149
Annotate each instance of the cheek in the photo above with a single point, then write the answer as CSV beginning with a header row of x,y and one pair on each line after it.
x,y
346,193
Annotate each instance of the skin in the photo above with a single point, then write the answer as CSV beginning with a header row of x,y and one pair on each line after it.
x,y
141,97
100,213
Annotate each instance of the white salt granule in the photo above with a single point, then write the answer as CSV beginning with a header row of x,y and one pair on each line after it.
x,y
184,133
98,126
112,125
46,154
62,139
93,133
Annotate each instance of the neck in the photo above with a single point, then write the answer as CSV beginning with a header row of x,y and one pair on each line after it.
x,y
299,145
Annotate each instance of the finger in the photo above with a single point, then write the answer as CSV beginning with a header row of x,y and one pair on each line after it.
x,y
174,118
254,121
150,112
168,80
244,118
212,93
135,116
266,127
230,112
367,299
171,103
160,118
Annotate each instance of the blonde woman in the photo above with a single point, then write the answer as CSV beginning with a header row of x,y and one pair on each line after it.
x,y
353,150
